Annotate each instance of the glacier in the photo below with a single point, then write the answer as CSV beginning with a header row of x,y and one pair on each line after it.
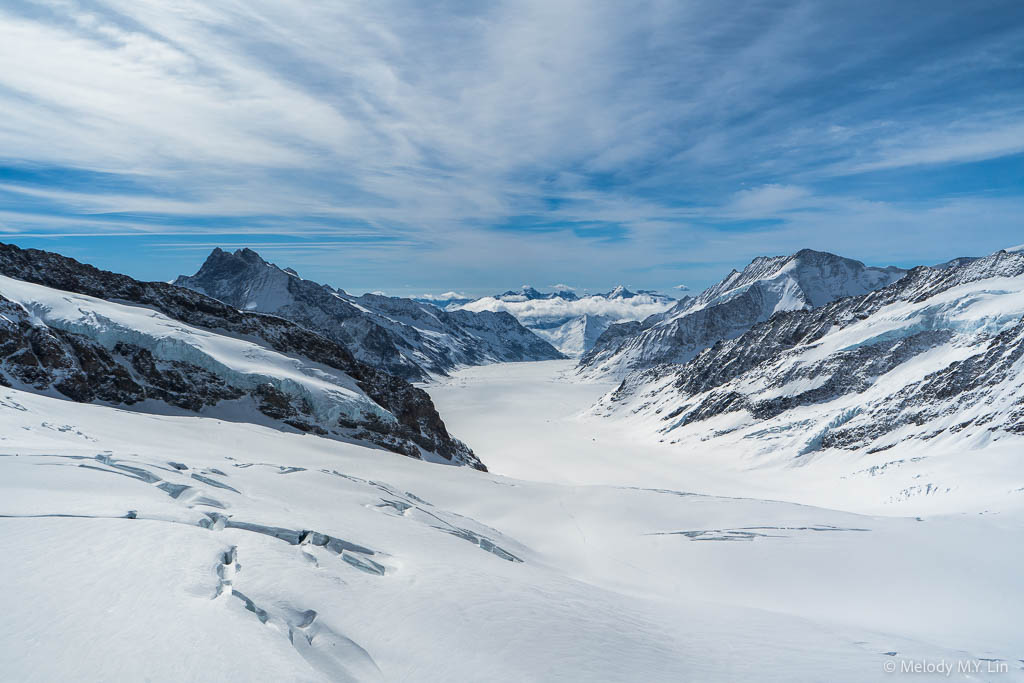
x,y
836,490
312,561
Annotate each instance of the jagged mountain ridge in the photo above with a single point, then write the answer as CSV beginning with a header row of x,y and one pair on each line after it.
x,y
937,355
570,322
528,293
125,342
768,285
407,338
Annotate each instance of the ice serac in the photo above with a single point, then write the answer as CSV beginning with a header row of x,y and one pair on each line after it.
x,y
936,357
768,285
408,338
71,330
570,322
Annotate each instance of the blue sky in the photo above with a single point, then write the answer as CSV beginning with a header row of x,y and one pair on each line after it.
x,y
421,147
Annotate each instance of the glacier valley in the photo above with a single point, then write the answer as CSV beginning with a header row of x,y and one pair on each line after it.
x,y
822,491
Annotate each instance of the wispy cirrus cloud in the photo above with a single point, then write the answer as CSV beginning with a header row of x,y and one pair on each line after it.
x,y
488,143
955,144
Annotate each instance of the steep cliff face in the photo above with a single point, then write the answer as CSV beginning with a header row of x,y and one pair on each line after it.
x,y
407,338
72,330
726,310
938,354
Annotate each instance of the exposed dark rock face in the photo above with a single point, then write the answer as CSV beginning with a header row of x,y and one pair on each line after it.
x,y
962,385
43,358
612,336
407,338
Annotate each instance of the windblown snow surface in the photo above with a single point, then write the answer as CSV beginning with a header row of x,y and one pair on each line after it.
x,y
145,547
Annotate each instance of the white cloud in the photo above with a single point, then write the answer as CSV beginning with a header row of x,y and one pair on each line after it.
x,y
367,121
953,144
766,200
376,104
444,296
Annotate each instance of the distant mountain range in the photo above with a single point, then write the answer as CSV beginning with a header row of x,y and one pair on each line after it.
x,y
444,300
407,338
570,322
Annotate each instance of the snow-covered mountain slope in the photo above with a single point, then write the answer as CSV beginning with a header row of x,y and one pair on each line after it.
x,y
407,338
142,547
933,362
159,348
768,285
570,322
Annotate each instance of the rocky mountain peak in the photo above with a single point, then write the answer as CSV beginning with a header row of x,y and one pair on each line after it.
x,y
405,337
619,292
226,262
766,286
